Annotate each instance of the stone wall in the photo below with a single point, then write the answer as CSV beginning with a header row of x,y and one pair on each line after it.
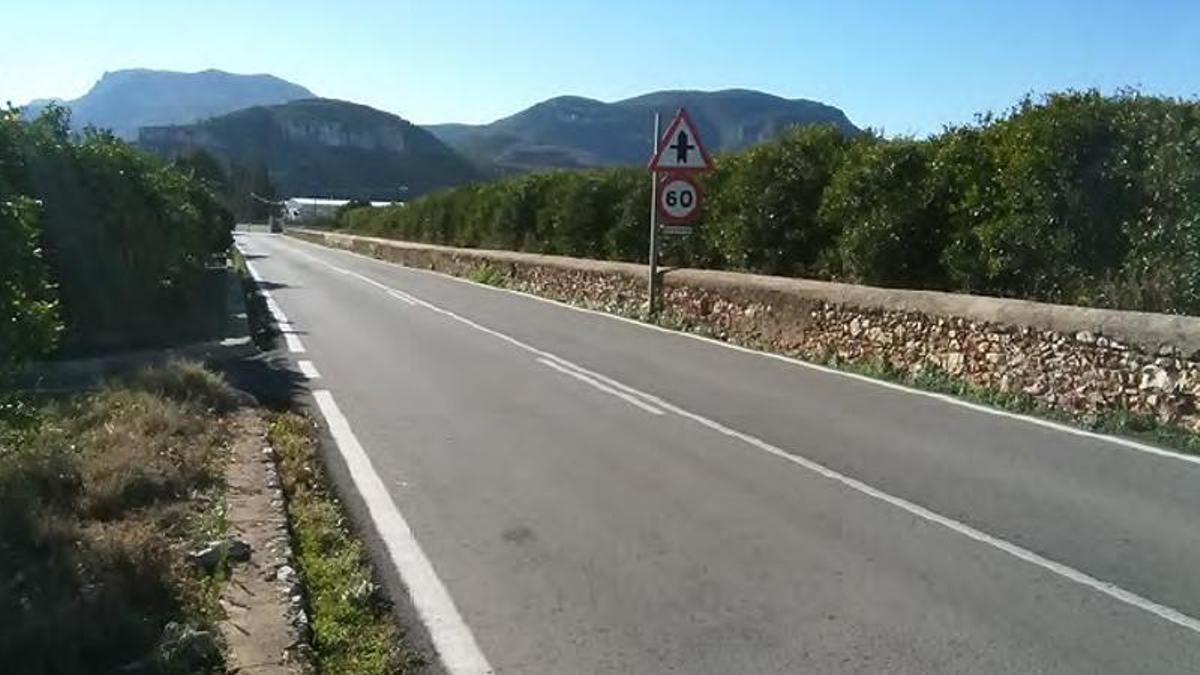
x,y
1080,361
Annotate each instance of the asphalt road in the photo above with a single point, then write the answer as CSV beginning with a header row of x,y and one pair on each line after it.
x,y
592,495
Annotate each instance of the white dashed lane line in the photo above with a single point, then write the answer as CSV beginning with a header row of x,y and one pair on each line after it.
x,y
308,370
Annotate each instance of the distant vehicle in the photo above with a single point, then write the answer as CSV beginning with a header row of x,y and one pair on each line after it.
x,y
315,209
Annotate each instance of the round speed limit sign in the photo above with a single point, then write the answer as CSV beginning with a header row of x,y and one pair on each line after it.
x,y
678,199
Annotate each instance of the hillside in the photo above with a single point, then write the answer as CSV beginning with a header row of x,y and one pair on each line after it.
x,y
125,100
323,147
572,131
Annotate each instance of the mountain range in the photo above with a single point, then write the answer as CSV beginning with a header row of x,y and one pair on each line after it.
x,y
326,147
126,100
323,147
572,131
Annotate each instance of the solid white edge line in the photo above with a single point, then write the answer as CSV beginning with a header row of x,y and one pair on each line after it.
x,y
452,638
1065,571
632,400
276,311
294,344
250,268
945,398
308,370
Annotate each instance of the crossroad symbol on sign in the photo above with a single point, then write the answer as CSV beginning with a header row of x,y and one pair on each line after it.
x,y
680,149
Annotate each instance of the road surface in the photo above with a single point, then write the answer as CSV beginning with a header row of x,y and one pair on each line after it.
x,y
566,492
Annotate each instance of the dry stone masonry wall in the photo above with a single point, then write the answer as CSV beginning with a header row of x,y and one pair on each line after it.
x,y
1082,362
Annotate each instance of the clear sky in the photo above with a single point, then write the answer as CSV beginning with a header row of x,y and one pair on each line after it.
x,y
905,66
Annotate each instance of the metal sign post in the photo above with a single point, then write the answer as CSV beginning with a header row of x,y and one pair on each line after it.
x,y
653,260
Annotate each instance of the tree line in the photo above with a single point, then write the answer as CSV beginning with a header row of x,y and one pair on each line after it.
x,y
98,239
1076,197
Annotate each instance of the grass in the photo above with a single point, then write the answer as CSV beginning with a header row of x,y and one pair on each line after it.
x,y
101,495
352,625
487,274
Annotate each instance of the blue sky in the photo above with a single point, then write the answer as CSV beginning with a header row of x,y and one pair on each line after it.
x,y
903,66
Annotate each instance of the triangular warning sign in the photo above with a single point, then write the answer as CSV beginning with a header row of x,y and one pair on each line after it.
x,y
680,148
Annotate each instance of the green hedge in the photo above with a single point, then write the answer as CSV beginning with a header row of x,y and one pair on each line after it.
x,y
29,320
125,237
1079,197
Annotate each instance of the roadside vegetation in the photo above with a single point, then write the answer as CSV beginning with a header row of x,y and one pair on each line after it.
x,y
102,246
1078,198
106,497
106,494
352,626
487,274
101,497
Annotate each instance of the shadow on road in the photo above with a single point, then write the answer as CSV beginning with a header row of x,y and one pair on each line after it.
x,y
273,285
270,379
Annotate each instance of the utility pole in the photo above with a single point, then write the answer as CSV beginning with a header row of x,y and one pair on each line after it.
x,y
652,286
